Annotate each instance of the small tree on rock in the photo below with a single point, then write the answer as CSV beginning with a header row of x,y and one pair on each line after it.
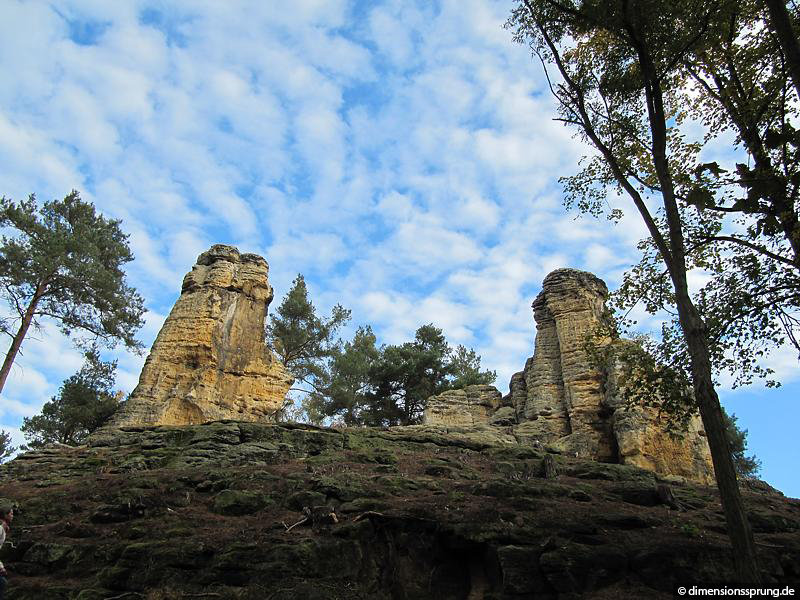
x,y
746,466
6,449
466,367
349,379
304,342
391,385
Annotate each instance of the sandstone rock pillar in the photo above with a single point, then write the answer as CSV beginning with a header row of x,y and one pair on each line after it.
x,y
564,399
210,360
565,393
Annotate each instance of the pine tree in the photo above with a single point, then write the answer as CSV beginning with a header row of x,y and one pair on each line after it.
x,y
304,342
84,403
6,448
64,263
746,466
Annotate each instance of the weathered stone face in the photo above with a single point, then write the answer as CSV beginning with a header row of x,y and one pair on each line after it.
x,y
565,401
643,440
471,405
565,391
570,401
210,360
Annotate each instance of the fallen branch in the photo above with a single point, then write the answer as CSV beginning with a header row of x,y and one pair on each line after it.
x,y
770,545
123,595
300,522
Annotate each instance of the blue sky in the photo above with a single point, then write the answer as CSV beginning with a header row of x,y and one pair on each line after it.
x,y
401,155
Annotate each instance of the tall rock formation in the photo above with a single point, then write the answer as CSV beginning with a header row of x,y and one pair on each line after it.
x,y
564,389
565,400
210,361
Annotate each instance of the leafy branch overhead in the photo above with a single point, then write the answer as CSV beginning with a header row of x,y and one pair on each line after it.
x,y
629,77
64,262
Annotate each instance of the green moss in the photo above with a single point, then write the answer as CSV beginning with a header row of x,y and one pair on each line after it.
x,y
439,470
179,531
297,500
114,577
400,486
607,472
360,505
238,502
50,555
345,487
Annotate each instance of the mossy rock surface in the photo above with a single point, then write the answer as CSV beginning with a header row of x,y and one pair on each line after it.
x,y
217,511
238,502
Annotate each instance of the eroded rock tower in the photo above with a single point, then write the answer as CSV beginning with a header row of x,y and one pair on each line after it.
x,y
564,400
210,361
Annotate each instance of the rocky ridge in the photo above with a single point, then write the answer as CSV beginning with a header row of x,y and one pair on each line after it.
x,y
209,361
247,511
563,399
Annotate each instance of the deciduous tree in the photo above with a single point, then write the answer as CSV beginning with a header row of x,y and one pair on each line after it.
x,y
619,82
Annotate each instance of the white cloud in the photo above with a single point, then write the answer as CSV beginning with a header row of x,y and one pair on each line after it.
x,y
392,36
599,257
403,156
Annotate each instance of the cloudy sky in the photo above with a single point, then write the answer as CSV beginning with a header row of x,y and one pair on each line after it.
x,y
401,155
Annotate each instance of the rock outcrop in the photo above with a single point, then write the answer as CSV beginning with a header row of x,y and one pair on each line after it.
x,y
564,397
204,511
209,361
471,405
564,400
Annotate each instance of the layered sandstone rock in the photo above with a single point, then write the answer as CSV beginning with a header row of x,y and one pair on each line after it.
x,y
565,400
210,360
471,405
565,389
643,440
570,401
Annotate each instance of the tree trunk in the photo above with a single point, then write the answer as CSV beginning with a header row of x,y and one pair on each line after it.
x,y
696,335
673,254
781,24
744,548
16,343
550,467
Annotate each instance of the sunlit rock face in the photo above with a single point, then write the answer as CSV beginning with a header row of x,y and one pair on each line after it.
x,y
210,360
471,405
566,401
564,397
